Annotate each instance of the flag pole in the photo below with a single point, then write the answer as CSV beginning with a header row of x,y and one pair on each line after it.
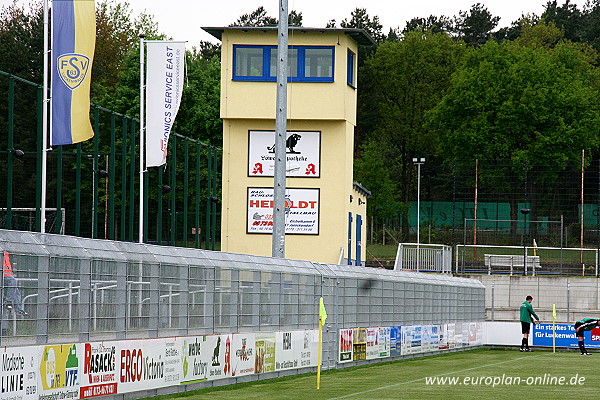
x,y
142,148
44,121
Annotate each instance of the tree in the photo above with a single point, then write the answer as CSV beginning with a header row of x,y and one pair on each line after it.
x,y
21,40
407,78
117,35
259,17
536,106
432,23
566,17
198,116
589,27
475,26
539,35
360,19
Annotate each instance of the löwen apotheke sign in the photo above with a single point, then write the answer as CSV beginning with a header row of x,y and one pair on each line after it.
x,y
303,156
302,218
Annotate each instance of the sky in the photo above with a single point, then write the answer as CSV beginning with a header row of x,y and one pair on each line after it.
x,y
183,19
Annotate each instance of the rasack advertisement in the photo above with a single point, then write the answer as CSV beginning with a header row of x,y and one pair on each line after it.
x,y
99,375
301,219
303,156
19,373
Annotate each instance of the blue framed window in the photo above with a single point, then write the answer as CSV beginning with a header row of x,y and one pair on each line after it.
x,y
305,63
350,66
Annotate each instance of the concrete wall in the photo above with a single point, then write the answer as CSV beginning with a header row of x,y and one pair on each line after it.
x,y
575,297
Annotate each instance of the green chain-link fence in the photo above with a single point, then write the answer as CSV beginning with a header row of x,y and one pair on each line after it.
x,y
93,187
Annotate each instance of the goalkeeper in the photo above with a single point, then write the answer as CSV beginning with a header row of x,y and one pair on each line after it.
x,y
586,324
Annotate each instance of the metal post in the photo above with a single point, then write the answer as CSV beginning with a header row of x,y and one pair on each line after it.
x,y
418,162
279,184
568,301
492,300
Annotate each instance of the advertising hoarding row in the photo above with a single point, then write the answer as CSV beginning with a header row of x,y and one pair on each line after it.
x,y
381,342
92,369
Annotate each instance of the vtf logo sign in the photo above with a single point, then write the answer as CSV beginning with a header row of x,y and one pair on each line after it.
x,y
73,69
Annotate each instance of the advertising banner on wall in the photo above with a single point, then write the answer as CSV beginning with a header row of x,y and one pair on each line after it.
x,y
378,342
395,341
303,154
412,339
565,336
295,349
59,370
346,343
359,344
242,349
19,373
264,361
99,369
148,364
301,219
219,365
194,355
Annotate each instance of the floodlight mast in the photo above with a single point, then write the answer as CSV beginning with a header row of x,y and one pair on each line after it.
x,y
279,184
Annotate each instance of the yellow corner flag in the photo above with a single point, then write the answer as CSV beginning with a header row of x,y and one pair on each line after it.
x,y
322,312
322,318
554,328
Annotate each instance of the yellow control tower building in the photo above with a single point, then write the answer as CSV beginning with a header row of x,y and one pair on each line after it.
x,y
327,208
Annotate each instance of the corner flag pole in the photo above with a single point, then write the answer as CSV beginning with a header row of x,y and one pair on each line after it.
x,y
554,328
322,319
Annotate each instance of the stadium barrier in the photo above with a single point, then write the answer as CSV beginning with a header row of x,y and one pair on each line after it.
x,y
79,290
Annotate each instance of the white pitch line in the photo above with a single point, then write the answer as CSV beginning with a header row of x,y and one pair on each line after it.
x,y
433,376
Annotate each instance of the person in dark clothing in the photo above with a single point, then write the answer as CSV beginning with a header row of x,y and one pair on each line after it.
x,y
12,295
586,324
526,320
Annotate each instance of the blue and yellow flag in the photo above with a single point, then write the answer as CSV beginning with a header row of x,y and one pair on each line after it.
x,y
73,42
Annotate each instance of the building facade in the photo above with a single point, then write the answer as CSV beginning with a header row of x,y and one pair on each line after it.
x,y
327,208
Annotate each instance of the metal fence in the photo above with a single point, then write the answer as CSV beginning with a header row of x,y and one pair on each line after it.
x,y
526,260
424,257
561,204
96,183
86,289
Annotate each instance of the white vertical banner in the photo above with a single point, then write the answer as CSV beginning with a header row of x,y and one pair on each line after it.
x,y
164,85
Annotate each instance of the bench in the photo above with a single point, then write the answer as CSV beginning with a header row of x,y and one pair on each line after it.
x,y
512,262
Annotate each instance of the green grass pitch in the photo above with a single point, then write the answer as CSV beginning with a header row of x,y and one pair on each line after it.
x,y
475,374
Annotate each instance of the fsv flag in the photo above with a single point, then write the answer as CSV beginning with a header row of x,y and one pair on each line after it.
x,y
73,43
164,85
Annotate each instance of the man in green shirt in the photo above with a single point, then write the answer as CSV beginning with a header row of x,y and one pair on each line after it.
x,y
586,324
526,320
